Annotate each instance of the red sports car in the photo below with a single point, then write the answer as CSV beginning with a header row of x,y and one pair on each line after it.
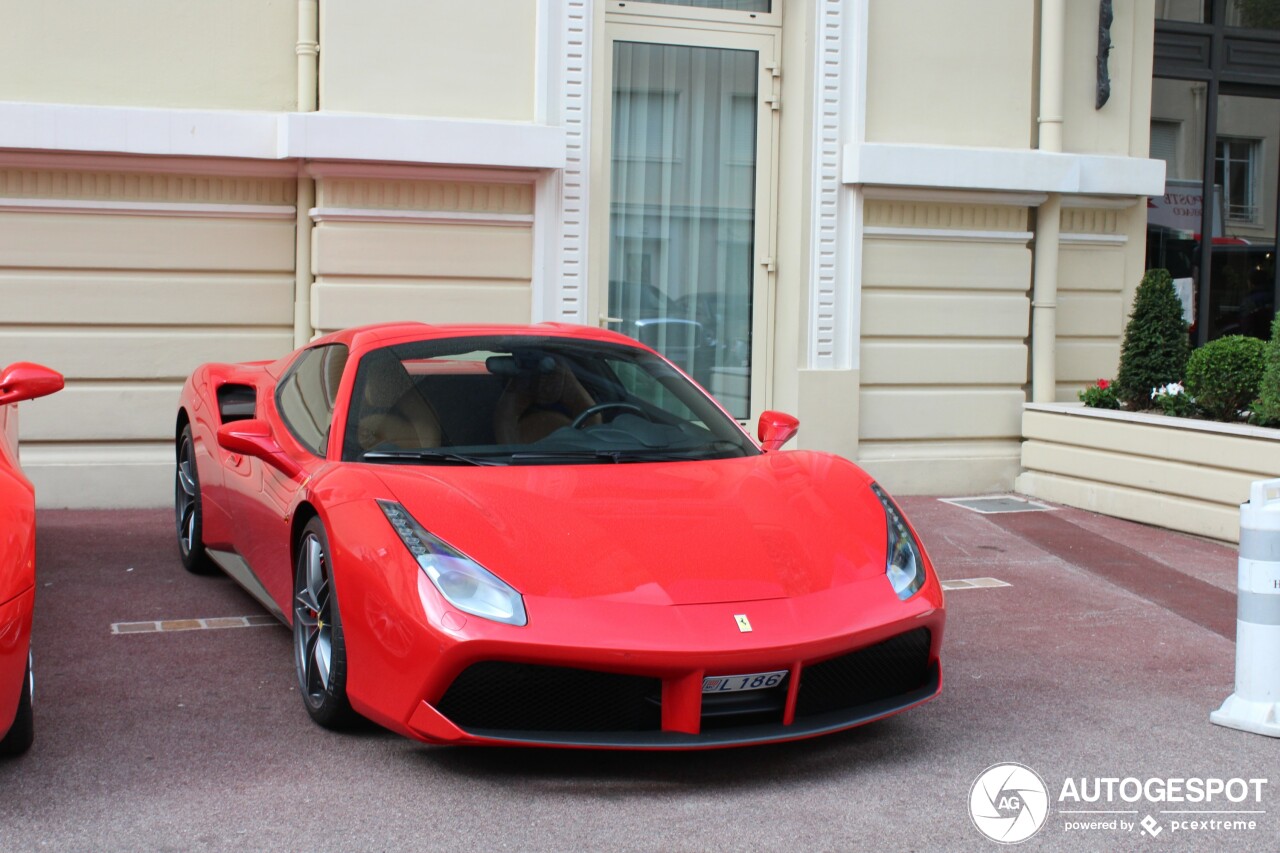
x,y
19,381
549,535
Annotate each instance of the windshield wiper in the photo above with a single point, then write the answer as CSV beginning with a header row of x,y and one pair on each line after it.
x,y
434,457
615,456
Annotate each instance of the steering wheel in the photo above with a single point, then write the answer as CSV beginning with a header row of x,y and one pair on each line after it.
x,y
587,413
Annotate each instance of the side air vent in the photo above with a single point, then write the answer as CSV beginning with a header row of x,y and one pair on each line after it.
x,y
236,402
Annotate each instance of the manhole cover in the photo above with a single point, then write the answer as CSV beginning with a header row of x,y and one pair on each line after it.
x,y
997,503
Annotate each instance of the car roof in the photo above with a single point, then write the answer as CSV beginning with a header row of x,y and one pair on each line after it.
x,y
384,334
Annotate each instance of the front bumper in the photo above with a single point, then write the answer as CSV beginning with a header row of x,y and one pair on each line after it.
x,y
840,693
620,672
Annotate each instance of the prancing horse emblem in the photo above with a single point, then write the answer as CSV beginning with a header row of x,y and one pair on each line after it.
x,y
744,624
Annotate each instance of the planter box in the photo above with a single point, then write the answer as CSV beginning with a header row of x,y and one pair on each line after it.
x,y
1177,473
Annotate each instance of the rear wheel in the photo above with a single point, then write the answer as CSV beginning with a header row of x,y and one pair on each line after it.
x,y
319,652
186,508
23,731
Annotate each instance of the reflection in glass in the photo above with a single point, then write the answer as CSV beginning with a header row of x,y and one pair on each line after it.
x,y
1182,10
683,208
1254,14
735,5
1243,282
1173,220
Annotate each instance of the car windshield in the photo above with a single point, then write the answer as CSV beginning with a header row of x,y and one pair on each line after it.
x,y
525,400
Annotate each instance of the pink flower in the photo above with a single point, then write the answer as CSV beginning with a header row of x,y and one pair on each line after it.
x,y
1104,384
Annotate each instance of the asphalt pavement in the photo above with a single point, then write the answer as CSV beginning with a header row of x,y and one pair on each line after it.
x,y
1099,659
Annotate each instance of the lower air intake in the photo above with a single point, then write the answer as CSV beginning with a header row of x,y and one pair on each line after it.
x,y
896,666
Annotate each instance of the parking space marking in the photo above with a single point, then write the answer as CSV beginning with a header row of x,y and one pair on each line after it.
x,y
257,620
973,583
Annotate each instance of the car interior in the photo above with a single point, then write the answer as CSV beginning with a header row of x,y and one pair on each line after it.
x,y
491,396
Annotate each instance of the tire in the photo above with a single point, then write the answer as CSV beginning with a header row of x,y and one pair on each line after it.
x,y
319,651
22,732
188,515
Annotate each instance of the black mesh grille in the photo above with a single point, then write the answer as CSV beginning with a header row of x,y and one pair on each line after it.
x,y
896,666
523,697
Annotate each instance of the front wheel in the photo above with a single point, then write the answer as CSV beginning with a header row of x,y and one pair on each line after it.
x,y
319,652
187,508
23,731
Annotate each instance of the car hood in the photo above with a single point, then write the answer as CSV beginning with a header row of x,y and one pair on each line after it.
x,y
771,526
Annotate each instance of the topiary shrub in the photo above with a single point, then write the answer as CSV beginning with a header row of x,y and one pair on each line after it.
x,y
1223,375
1155,348
1268,410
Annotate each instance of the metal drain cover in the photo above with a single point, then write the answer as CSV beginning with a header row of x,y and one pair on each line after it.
x,y
997,503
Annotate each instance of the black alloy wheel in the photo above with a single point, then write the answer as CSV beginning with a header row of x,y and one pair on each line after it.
x,y
23,731
186,508
319,653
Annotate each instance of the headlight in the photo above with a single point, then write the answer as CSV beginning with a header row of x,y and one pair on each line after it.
x,y
905,564
462,581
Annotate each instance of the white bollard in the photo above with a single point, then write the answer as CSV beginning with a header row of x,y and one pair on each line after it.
x,y
1255,706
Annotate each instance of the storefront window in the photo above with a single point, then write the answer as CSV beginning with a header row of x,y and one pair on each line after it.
x,y
1254,14
1174,219
1192,11
1231,129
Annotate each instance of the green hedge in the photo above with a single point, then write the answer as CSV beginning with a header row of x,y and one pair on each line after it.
x,y
1223,376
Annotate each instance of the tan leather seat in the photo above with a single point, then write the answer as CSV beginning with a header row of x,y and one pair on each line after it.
x,y
536,404
394,412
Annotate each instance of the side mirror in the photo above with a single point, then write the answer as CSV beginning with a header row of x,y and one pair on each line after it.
x,y
254,438
776,429
23,380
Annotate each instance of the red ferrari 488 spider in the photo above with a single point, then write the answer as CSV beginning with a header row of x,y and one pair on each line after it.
x,y
549,535
18,382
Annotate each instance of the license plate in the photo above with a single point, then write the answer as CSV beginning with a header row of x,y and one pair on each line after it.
x,y
736,683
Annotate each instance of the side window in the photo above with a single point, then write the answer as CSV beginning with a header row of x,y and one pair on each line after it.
x,y
308,392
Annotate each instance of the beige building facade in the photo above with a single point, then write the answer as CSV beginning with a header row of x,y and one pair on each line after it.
x,y
899,220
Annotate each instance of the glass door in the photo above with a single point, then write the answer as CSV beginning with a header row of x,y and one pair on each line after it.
x,y
690,171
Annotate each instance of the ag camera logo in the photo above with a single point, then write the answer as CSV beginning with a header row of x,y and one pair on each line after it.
x,y
1008,803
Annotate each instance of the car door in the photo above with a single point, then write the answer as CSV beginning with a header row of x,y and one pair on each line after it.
x,y
304,401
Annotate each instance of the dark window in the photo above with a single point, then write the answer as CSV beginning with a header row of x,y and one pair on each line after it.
x,y
307,394
1215,109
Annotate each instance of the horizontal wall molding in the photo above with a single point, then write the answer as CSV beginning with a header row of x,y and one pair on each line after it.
x,y
421,195
948,234
1109,240
1000,170
420,217
136,164
454,142
945,196
411,172
964,217
280,136
148,208
1100,202
122,185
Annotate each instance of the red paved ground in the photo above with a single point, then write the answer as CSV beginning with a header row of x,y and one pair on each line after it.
x,y
1103,658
